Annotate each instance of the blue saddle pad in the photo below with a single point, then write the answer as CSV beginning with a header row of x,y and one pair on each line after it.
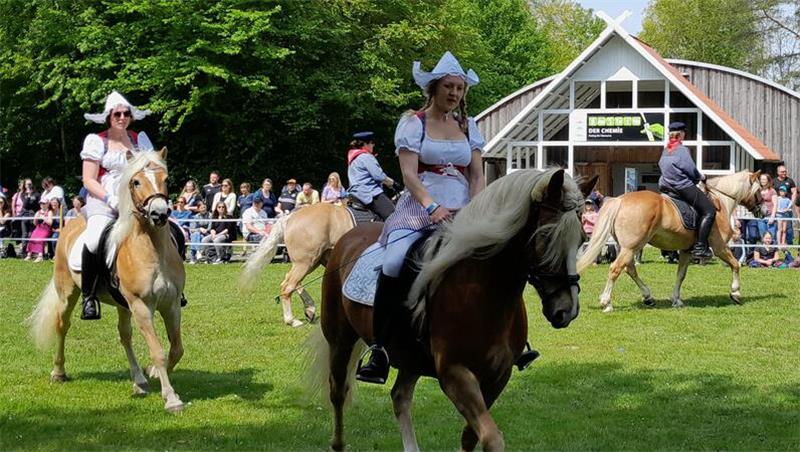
x,y
687,212
363,279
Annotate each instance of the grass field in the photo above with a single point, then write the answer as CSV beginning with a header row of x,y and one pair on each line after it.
x,y
709,376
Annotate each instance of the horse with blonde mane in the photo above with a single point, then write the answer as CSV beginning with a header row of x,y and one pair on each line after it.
x,y
150,271
522,228
309,235
638,218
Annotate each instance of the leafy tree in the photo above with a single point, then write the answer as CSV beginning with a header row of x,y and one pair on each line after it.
x,y
724,32
569,27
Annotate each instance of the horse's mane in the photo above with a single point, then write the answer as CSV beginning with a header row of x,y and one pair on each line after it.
x,y
485,225
737,183
126,220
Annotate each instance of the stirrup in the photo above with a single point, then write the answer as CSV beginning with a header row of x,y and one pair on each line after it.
x,y
96,305
380,379
527,358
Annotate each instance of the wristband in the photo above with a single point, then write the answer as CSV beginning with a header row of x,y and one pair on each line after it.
x,y
432,208
105,198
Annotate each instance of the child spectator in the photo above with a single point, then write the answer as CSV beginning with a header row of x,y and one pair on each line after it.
x,y
43,229
333,192
269,200
765,255
57,214
737,246
783,212
245,199
198,229
307,197
588,217
191,195
255,226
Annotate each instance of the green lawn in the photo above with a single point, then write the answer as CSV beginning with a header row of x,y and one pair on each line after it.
x,y
709,376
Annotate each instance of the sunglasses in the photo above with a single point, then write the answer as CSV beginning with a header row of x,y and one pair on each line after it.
x,y
121,114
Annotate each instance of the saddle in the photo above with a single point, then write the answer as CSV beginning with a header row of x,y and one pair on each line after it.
x,y
359,212
409,345
687,212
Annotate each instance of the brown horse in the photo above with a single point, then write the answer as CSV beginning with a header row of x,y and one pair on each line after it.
x,y
309,235
151,277
523,227
638,218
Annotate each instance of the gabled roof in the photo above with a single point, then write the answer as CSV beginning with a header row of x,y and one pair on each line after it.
x,y
736,131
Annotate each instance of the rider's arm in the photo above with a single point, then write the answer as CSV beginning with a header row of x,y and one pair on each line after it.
x,y
91,154
476,179
374,169
409,163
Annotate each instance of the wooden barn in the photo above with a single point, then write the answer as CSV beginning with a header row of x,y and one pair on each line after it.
x,y
607,113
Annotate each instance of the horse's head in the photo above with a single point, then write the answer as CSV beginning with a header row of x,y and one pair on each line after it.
x,y
148,187
752,189
743,188
553,247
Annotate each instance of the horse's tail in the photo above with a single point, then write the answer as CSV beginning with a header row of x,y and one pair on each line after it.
x,y
44,320
602,229
318,365
263,255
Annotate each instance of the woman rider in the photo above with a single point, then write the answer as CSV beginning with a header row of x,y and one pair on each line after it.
x,y
440,158
105,156
680,175
366,176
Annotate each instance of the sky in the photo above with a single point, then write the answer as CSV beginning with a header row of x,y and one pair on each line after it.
x,y
615,7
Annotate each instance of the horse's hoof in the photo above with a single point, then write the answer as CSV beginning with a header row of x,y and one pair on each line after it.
x,y
174,407
677,303
140,389
649,302
311,315
294,323
736,298
59,378
608,308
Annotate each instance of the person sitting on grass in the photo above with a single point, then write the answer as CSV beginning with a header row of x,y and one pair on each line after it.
x,y
765,255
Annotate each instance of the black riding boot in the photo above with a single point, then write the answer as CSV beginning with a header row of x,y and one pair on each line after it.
x,y
388,295
701,251
90,275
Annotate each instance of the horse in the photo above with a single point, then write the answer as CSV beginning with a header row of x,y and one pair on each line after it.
x,y
523,227
638,218
309,235
150,271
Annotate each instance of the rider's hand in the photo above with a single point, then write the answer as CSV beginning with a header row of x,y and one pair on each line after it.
x,y
113,202
440,214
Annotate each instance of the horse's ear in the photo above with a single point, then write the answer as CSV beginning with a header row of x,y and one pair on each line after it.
x,y
549,188
754,176
587,185
163,153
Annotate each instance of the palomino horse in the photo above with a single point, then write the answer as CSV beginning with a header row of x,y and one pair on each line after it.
x,y
523,227
151,277
309,234
638,218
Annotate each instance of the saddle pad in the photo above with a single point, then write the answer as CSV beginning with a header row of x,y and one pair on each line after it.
x,y
363,279
360,216
687,212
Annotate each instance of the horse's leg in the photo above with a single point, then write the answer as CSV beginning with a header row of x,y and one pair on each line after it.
x,y
144,319
624,259
402,394
59,373
140,384
469,439
172,322
295,275
684,259
647,297
724,253
463,389
339,387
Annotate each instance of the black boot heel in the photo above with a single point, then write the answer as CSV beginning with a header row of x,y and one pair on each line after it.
x,y
527,358
376,370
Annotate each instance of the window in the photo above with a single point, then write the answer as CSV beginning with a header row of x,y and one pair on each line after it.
x,y
690,119
556,156
651,94
619,94
716,157
587,94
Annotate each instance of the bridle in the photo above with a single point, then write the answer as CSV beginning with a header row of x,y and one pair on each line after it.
x,y
537,279
139,208
754,209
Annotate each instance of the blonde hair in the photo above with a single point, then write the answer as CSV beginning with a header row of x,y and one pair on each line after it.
x,y
335,175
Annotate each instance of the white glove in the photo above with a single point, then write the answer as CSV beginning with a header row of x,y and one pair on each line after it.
x,y
113,202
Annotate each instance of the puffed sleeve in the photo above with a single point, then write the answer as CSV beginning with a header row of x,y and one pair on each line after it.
x,y
408,134
144,142
476,140
92,148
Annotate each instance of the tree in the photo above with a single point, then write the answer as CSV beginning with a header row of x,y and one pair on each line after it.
x,y
723,32
569,27
780,21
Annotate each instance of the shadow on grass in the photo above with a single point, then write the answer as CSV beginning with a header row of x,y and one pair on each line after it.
x,y
705,301
552,406
198,384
